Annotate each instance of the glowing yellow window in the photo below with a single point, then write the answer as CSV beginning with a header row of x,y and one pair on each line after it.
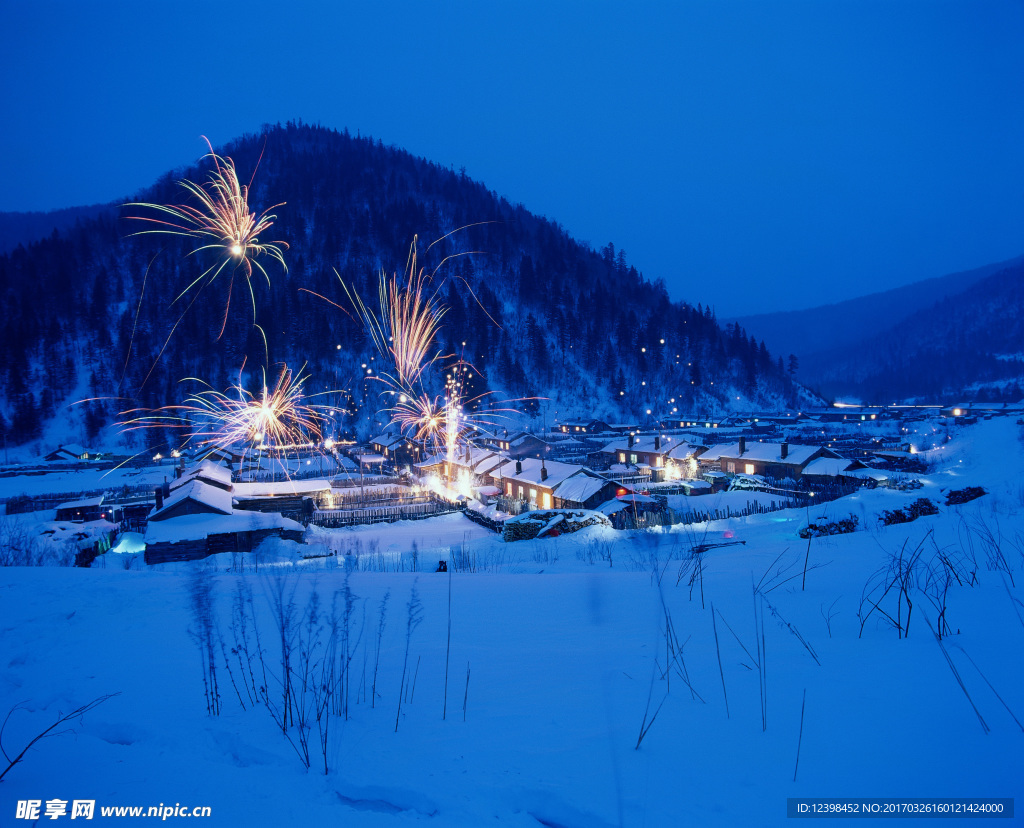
x,y
547,500
748,468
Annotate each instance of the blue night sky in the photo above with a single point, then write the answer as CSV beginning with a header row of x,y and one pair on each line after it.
x,y
756,156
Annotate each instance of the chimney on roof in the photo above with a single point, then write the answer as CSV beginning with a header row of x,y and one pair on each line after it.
x,y
519,466
166,488
630,443
657,442
743,445
785,450
543,470
159,492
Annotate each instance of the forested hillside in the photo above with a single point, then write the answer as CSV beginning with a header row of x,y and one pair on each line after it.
x,y
93,311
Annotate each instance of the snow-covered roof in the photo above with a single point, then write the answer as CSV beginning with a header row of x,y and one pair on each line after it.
x,y
216,499
580,487
204,469
870,474
766,453
478,460
681,451
669,446
218,452
196,527
488,464
387,440
281,488
829,466
82,504
717,451
632,498
522,437
531,472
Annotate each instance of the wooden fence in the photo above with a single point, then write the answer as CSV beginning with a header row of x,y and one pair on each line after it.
x,y
336,518
20,504
672,517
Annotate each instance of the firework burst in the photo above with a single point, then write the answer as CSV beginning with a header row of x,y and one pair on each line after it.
x,y
277,417
222,221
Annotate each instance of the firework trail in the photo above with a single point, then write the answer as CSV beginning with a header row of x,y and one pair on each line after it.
x,y
404,332
223,222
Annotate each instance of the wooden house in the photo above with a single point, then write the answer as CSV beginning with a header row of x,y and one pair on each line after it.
x,y
193,498
663,456
396,449
773,460
539,483
522,444
206,471
584,426
220,455
295,499
81,511
195,536
70,453
832,470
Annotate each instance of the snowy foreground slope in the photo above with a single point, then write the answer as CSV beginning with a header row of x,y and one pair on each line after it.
x,y
565,641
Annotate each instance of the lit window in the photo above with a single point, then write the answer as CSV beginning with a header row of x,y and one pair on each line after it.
x,y
622,457
748,468
547,500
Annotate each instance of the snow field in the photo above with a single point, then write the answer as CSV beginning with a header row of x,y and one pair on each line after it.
x,y
562,645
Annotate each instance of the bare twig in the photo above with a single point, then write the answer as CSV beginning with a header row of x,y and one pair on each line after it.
x,y
77,713
718,652
800,739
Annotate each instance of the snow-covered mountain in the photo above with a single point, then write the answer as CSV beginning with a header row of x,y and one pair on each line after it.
x,y
93,311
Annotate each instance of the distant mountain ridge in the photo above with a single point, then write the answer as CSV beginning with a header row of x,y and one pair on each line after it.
x,y
932,339
964,346
850,348
804,332
26,227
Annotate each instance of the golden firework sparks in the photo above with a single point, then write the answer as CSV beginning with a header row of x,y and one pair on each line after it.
x,y
222,220
278,416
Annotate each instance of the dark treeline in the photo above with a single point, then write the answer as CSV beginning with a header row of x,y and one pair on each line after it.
x,y
88,310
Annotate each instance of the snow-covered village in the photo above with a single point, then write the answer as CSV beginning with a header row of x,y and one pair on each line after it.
x,y
345,484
